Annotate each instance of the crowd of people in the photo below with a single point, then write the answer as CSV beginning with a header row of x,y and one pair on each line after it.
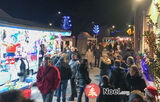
x,y
118,70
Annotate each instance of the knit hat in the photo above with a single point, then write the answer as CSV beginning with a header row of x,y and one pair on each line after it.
x,y
151,91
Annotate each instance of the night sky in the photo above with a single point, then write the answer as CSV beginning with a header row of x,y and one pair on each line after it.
x,y
82,12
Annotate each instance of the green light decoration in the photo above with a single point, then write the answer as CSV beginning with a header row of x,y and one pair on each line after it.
x,y
153,55
52,37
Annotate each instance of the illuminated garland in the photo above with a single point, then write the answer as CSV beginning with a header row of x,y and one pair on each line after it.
x,y
148,76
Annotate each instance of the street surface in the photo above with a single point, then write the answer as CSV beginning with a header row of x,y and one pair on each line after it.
x,y
94,75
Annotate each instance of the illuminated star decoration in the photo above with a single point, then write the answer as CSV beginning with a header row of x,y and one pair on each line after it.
x,y
96,29
66,23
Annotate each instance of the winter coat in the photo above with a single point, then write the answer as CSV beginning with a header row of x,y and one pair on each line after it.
x,y
78,55
65,70
73,65
70,53
83,76
104,68
90,57
22,63
128,53
104,97
50,82
97,53
135,82
55,60
118,78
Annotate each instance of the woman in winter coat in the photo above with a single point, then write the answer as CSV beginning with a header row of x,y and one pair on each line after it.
x,y
90,58
65,73
134,80
83,79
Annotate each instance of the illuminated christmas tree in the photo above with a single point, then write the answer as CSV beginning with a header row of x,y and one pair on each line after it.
x,y
154,57
66,23
96,29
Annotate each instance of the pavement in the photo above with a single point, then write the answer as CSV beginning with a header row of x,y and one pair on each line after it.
x,y
94,75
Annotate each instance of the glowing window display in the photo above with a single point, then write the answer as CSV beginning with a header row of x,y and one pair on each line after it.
x,y
20,42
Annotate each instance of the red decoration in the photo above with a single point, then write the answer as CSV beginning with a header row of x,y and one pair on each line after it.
x,y
27,93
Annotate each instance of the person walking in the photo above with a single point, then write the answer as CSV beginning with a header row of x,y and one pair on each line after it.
x,y
134,80
105,85
74,63
83,79
118,79
97,54
104,67
65,72
89,56
48,79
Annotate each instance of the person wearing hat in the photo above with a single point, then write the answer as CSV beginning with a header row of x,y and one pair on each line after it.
x,y
151,94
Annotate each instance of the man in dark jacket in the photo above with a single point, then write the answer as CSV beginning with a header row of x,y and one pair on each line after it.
x,y
83,79
65,72
97,54
118,79
104,86
74,63
48,79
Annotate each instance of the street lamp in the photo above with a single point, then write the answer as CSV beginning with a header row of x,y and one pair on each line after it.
x,y
50,24
134,36
59,12
139,0
113,26
136,4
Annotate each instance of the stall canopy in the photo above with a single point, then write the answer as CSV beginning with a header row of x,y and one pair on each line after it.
x,y
83,40
8,21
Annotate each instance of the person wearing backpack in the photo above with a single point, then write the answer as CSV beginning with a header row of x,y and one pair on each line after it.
x,y
48,79
65,73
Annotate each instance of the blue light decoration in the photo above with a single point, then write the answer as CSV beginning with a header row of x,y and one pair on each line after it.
x,y
112,33
15,36
66,23
96,29
148,76
119,31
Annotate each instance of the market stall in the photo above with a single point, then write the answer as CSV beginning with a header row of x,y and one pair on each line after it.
x,y
82,42
68,42
19,53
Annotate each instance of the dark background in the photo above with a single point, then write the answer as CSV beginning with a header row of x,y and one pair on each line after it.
x,y
84,13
